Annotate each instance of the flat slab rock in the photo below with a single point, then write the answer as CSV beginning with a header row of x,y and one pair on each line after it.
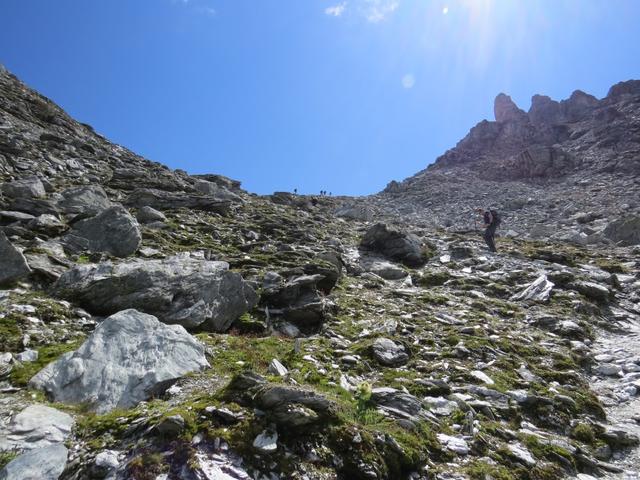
x,y
128,358
40,464
188,291
36,426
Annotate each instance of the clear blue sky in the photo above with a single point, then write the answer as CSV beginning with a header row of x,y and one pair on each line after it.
x,y
342,95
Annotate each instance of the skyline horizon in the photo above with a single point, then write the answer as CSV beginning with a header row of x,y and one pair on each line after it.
x,y
343,96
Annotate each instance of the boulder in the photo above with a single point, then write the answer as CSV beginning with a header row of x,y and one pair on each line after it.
x,y
297,300
36,426
361,213
113,230
389,353
163,200
287,406
539,290
592,290
46,463
130,357
383,269
30,187
148,215
624,231
187,291
90,200
47,224
13,265
395,244
214,190
400,405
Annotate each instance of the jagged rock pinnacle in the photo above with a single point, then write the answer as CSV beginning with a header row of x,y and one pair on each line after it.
x,y
505,110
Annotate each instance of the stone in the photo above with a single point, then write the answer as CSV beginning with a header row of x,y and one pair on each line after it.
x,y
608,369
455,444
289,407
383,269
87,199
266,442
113,231
522,454
13,265
105,462
395,244
389,353
187,291
47,224
361,213
277,368
215,190
624,231
298,301
27,356
149,215
45,463
399,404
36,426
593,290
171,426
129,357
539,290
481,376
30,187
163,200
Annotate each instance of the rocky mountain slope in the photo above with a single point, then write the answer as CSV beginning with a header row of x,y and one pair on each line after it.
x,y
157,325
564,170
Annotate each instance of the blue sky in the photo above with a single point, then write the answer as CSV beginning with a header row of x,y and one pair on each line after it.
x,y
310,94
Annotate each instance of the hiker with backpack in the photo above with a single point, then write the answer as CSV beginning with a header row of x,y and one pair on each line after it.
x,y
491,221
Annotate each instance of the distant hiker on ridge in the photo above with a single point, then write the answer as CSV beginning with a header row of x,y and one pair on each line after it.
x,y
491,221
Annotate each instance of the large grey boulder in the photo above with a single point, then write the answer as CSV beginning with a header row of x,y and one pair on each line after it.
x,y
36,426
90,199
148,215
113,230
298,300
624,231
163,200
13,265
213,189
42,464
187,291
30,187
395,244
130,357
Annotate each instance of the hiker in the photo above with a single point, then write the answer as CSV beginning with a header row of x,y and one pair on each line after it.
x,y
295,191
491,221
